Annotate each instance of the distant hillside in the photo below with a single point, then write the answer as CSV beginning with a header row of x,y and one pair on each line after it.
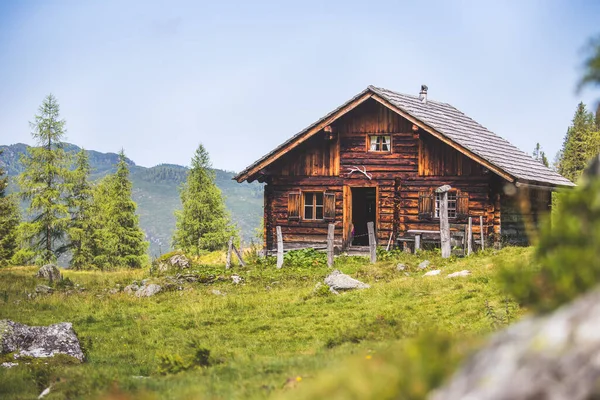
x,y
156,191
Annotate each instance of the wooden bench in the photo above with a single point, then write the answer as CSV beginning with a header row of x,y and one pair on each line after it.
x,y
458,236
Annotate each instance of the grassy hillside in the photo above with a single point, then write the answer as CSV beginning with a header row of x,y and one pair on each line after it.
x,y
156,191
269,337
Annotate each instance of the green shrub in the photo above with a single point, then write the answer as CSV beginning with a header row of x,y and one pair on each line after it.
x,y
566,262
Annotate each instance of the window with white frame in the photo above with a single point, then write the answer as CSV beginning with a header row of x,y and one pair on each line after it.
x,y
380,143
313,205
451,204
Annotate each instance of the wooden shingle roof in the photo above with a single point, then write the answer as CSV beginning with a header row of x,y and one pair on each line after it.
x,y
448,124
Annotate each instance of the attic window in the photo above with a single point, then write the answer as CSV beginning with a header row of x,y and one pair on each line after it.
x,y
380,143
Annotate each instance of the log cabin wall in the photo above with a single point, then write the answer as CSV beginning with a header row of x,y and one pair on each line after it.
x,y
416,163
523,209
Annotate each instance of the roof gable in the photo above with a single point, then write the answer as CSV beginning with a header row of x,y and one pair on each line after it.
x,y
441,120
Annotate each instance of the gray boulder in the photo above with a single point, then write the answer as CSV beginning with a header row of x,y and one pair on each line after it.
x,y
50,272
39,341
178,261
43,289
149,290
400,267
464,272
433,273
340,281
547,357
131,289
424,264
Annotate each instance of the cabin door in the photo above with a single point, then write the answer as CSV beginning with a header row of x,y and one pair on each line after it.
x,y
364,210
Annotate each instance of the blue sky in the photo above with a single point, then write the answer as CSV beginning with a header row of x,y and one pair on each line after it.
x,y
157,78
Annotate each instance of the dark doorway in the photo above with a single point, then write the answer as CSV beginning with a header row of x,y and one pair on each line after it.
x,y
364,203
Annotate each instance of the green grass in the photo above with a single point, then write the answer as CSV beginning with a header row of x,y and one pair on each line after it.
x,y
271,336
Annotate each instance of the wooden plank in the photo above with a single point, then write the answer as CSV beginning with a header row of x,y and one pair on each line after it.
x,y
470,237
228,258
279,247
330,242
444,225
481,233
239,256
295,141
372,242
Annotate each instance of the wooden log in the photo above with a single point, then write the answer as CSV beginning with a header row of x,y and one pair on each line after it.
x,y
444,225
470,237
330,242
229,248
279,247
481,233
389,242
372,242
239,256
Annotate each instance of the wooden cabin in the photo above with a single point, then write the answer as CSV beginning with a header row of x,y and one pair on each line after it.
x,y
379,157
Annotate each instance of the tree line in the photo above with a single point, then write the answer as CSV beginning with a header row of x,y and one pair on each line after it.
x,y
95,223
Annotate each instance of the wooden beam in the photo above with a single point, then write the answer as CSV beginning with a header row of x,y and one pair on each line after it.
x,y
372,242
330,241
444,139
279,247
303,136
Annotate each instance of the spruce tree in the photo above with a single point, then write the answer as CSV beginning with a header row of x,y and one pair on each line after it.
x,y
203,223
540,155
44,184
82,232
120,242
9,221
580,144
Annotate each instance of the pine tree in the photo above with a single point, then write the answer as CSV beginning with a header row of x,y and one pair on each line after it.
x,y
580,144
82,227
120,241
9,221
203,223
540,155
44,183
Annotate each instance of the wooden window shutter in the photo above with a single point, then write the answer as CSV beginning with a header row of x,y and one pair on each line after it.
x,y
462,205
426,205
329,206
294,205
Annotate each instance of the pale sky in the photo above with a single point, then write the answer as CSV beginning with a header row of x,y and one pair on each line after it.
x,y
159,77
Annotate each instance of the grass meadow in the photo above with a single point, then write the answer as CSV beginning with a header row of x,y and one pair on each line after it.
x,y
273,336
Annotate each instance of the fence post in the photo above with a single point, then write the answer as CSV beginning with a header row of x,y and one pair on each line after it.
x,y
330,241
372,242
229,248
279,247
417,242
444,225
470,237
481,232
239,256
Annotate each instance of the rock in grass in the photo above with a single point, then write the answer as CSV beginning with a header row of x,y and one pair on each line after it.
x,y
553,356
340,281
400,267
39,341
43,289
131,289
433,273
218,293
464,272
236,279
50,272
149,290
424,264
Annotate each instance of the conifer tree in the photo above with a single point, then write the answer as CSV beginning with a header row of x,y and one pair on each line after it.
x,y
9,220
82,227
540,155
203,223
44,184
120,241
580,144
